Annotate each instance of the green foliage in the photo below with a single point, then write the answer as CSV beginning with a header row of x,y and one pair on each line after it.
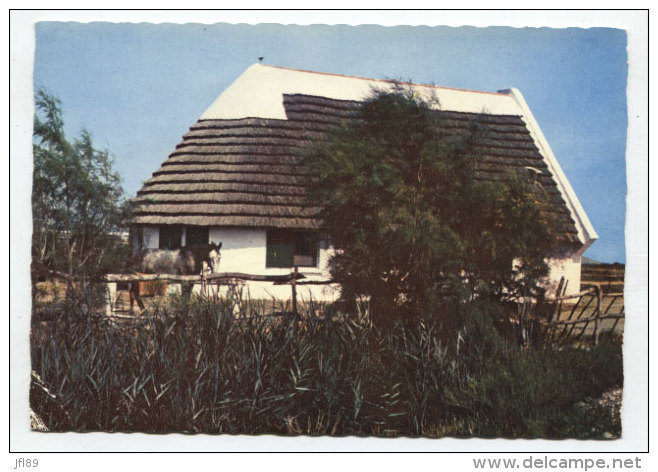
x,y
76,200
539,393
410,219
192,366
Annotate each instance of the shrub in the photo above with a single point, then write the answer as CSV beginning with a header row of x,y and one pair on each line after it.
x,y
413,221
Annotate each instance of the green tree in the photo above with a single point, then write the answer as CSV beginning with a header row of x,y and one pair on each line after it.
x,y
76,201
412,223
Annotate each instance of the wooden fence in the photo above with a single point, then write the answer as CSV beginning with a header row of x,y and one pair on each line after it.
x,y
229,279
570,318
591,312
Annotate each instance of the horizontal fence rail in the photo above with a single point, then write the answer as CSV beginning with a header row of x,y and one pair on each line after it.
x,y
200,278
564,319
229,279
592,306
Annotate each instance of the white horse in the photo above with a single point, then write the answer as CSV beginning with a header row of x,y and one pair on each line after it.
x,y
184,261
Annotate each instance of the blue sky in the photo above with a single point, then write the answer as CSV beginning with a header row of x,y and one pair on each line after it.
x,y
139,87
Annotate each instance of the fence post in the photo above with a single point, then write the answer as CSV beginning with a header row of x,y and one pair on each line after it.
x,y
203,278
293,284
597,315
111,294
555,312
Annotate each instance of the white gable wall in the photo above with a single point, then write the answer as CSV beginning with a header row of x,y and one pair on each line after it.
x,y
258,93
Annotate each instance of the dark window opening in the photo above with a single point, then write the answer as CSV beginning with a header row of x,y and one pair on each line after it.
x,y
286,248
136,238
170,237
196,236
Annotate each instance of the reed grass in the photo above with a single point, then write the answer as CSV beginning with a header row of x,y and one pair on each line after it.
x,y
200,366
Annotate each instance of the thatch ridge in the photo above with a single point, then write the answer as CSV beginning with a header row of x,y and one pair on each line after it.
x,y
225,177
318,99
202,187
232,124
221,197
229,220
250,140
251,168
231,159
291,136
222,150
508,124
243,209
238,132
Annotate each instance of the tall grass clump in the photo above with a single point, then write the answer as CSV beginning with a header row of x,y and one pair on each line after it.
x,y
195,366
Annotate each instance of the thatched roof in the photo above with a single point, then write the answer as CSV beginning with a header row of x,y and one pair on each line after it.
x,y
246,171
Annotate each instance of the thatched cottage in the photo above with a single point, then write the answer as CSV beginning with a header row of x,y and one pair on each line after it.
x,y
235,177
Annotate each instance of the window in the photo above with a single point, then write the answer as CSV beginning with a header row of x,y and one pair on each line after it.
x,y
170,237
196,235
285,247
136,238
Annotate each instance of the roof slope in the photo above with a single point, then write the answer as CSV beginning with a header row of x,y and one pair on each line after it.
x,y
233,170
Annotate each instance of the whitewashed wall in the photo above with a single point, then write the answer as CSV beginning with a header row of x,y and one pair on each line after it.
x,y
567,267
244,250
